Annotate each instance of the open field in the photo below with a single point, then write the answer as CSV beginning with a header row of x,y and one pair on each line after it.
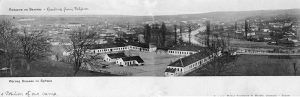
x,y
258,65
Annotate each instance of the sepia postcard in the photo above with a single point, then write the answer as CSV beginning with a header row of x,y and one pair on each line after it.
x,y
152,48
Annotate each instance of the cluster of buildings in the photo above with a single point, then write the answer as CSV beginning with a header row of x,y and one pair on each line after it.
x,y
114,53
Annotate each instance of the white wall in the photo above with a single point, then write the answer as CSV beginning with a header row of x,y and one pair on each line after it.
x,y
120,62
178,52
116,49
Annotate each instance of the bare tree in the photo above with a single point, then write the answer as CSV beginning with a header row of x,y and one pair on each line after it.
x,y
8,43
163,31
156,35
80,39
147,33
190,31
34,46
207,33
295,68
246,29
180,31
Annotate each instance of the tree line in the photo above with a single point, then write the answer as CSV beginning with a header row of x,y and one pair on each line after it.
x,y
158,34
21,47
155,33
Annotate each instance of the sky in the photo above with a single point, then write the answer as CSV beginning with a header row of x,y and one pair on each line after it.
x,y
141,7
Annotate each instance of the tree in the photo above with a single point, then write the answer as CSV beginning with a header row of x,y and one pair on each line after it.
x,y
190,31
295,68
175,33
207,33
8,43
180,31
156,34
147,33
163,31
235,26
34,46
246,29
128,26
80,40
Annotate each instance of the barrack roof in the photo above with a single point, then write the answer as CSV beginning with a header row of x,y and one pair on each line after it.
x,y
131,58
183,62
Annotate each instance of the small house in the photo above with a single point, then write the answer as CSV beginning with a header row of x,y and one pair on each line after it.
x,y
113,57
130,61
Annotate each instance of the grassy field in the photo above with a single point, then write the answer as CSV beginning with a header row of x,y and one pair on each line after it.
x,y
49,68
257,65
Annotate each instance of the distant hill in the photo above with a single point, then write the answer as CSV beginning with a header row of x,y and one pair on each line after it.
x,y
228,16
224,16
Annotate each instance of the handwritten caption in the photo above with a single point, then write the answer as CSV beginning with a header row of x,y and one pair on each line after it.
x,y
49,9
27,94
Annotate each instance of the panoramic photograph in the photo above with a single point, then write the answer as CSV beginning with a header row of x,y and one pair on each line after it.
x,y
159,38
